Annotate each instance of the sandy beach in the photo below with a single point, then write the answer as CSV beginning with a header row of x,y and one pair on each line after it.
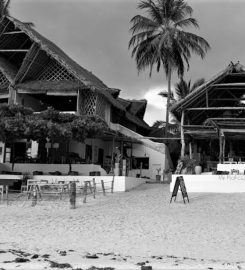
x,y
126,230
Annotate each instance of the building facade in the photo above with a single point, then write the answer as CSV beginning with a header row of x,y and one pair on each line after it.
x,y
35,73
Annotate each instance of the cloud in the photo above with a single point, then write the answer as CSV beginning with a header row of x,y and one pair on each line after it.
x,y
156,105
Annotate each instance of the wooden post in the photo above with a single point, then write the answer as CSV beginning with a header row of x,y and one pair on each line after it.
x,y
103,187
190,150
85,192
112,184
141,168
73,195
220,148
223,157
34,197
112,152
94,187
182,134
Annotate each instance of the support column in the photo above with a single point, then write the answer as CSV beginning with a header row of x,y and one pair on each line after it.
x,y
182,134
112,153
190,150
12,95
220,149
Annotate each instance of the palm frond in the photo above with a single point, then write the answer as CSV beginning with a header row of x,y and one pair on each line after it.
x,y
197,83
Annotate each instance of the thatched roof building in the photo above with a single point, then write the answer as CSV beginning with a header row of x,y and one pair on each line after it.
x,y
216,111
33,66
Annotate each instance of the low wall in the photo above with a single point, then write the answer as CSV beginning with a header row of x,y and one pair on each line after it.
x,y
82,169
121,183
212,183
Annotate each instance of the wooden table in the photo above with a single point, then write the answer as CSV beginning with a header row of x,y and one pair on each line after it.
x,y
57,189
7,180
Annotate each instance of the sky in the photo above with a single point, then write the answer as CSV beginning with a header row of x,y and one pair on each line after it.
x,y
95,33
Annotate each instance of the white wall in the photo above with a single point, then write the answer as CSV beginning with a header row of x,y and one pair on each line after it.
x,y
121,183
212,183
156,160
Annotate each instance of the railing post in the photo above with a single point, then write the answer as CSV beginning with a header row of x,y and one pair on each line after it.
x,y
85,192
94,187
73,195
103,187
112,185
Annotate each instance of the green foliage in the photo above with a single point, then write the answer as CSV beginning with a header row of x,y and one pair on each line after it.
x,y
159,38
14,110
189,164
18,122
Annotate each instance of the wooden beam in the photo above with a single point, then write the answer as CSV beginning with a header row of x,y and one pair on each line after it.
x,y
216,108
196,126
228,84
15,50
226,99
228,130
13,32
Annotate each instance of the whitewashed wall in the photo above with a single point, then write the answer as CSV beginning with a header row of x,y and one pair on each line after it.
x,y
212,183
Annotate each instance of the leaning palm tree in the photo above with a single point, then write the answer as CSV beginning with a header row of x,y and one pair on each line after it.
x,y
158,39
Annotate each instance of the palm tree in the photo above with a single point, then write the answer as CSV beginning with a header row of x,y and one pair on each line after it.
x,y
158,39
182,89
4,8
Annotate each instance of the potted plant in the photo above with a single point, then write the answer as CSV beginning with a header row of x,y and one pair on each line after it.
x,y
158,176
167,178
198,168
188,165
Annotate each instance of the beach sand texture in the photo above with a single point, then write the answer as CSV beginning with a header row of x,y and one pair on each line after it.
x,y
136,226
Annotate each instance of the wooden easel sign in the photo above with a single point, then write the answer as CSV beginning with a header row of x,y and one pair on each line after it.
x,y
179,183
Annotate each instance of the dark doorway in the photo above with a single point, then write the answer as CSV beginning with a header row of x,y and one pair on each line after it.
x,y
88,153
101,156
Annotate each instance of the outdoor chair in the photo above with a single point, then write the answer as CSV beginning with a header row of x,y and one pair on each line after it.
x,y
234,171
23,188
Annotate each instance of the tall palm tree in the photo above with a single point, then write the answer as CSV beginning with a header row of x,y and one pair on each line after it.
x,y
158,39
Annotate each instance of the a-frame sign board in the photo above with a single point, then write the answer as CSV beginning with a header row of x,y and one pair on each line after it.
x,y
179,183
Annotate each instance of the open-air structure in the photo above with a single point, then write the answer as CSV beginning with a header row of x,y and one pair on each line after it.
x,y
213,117
35,73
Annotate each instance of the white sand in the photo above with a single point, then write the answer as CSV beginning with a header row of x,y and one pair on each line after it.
x,y
134,226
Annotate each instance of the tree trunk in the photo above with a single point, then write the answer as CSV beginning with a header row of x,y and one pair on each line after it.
x,y
182,134
168,101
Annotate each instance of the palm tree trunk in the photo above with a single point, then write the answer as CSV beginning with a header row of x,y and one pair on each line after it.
x,y
168,101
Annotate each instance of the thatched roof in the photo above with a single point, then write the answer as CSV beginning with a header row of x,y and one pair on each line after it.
x,y
48,85
86,77
8,70
114,92
135,107
138,107
201,90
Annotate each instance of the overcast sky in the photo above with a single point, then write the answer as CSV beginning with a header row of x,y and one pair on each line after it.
x,y
95,33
